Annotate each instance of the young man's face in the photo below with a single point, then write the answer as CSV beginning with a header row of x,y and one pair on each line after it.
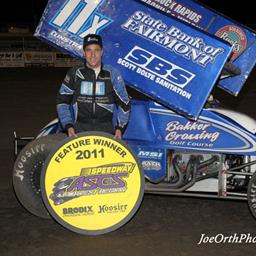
x,y
92,54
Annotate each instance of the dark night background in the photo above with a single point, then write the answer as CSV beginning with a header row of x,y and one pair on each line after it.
x,y
21,13
164,225
27,13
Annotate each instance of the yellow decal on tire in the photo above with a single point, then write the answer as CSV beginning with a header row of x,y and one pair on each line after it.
x,y
92,184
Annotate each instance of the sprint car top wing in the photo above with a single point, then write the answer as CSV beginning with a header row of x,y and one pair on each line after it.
x,y
171,61
240,37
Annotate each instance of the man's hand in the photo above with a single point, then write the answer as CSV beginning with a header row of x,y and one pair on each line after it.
x,y
71,132
118,134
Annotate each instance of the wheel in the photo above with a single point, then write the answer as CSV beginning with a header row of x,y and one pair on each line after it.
x,y
27,170
251,195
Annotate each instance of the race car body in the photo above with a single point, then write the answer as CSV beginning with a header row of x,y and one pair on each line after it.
x,y
184,147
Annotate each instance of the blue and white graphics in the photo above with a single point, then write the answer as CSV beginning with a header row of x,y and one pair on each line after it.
x,y
172,38
162,72
170,61
80,17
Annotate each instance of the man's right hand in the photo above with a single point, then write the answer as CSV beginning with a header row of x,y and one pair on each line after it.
x,y
71,132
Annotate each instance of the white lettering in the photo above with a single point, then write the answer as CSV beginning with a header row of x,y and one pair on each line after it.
x,y
86,8
162,68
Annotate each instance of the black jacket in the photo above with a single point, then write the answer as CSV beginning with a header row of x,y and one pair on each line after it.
x,y
83,97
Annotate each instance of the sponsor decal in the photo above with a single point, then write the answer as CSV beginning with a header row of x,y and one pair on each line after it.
x,y
195,134
89,176
62,40
106,208
172,39
100,88
177,9
150,154
151,165
78,211
86,88
162,72
236,37
93,180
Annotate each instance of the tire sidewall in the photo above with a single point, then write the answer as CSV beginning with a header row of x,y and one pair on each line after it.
x,y
27,171
251,195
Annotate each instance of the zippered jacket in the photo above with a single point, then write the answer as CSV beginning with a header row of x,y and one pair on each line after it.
x,y
85,98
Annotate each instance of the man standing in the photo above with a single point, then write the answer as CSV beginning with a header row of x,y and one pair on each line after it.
x,y
90,92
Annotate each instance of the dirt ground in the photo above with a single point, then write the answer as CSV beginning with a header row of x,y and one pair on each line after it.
x,y
164,225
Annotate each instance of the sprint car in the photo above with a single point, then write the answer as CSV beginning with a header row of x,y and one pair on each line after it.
x,y
184,148
213,157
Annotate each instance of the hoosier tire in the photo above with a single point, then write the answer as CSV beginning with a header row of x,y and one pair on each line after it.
x,y
251,195
27,171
